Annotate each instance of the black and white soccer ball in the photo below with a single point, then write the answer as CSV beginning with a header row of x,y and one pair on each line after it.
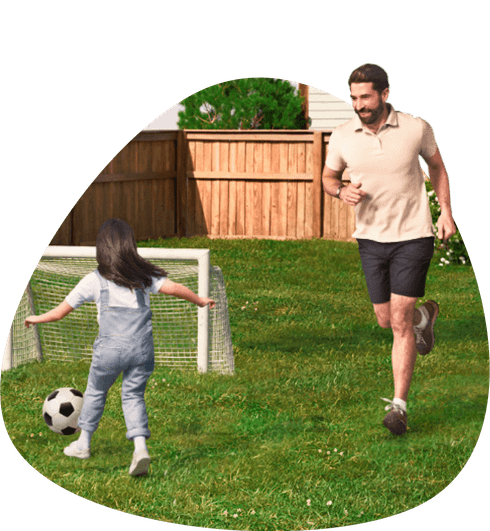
x,y
61,410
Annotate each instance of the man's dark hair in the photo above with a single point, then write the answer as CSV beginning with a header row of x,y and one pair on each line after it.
x,y
370,73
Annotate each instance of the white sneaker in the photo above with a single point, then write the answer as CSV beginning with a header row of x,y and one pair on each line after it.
x,y
74,451
140,464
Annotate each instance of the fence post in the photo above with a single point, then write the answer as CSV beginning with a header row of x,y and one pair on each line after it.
x,y
181,185
317,193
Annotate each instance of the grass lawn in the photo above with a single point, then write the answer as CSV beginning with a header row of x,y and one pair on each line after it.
x,y
294,439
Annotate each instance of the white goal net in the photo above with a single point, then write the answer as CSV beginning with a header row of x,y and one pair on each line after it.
x,y
185,336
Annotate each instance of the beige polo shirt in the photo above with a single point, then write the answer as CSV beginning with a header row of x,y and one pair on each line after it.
x,y
388,166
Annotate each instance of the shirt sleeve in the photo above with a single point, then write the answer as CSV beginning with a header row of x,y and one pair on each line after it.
x,y
157,284
334,159
83,292
428,144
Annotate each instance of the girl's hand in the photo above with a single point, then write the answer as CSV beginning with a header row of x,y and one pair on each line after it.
x,y
31,320
206,301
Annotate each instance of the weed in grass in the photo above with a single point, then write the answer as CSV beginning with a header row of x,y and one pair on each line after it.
x,y
294,439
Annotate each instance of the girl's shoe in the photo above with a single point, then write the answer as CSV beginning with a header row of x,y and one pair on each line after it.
x,y
74,451
140,464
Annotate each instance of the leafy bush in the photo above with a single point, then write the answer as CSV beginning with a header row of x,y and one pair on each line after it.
x,y
454,250
249,103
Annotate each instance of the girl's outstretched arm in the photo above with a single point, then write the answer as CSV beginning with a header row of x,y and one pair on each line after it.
x,y
53,315
182,292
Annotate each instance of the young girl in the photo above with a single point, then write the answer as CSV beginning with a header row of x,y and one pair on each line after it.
x,y
120,287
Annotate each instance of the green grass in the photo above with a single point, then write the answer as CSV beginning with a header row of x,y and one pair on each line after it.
x,y
301,418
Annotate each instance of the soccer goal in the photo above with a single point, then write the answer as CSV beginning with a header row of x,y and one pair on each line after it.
x,y
185,336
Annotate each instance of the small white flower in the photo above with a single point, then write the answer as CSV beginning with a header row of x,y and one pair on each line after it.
x,y
329,502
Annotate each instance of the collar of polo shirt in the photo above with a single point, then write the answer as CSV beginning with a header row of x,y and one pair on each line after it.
x,y
391,120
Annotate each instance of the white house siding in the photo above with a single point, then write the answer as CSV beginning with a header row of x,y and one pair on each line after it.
x,y
327,111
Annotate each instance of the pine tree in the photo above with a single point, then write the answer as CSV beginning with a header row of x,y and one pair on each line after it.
x,y
250,103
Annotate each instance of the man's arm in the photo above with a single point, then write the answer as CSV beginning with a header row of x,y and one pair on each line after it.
x,y
440,182
350,194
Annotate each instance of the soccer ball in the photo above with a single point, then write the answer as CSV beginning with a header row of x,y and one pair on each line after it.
x,y
61,410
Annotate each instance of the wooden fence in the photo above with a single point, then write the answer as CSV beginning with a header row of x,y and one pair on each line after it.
x,y
223,184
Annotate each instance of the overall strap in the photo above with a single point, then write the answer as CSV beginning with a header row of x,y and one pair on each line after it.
x,y
140,297
104,290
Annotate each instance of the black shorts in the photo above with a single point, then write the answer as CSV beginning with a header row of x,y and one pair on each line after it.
x,y
395,267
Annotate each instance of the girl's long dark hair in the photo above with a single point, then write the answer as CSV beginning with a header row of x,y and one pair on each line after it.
x,y
118,257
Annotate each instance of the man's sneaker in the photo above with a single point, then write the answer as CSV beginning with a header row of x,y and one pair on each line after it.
x,y
74,451
424,335
396,419
140,464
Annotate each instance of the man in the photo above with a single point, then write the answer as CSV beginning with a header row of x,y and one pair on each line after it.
x,y
380,150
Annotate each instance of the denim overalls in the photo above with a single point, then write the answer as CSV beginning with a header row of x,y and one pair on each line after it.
x,y
124,344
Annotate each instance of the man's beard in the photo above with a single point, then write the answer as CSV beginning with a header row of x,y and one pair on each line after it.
x,y
375,113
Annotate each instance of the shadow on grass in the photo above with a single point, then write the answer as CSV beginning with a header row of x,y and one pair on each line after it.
x,y
297,337
451,413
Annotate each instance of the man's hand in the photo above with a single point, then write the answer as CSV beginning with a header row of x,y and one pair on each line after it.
x,y
352,194
445,227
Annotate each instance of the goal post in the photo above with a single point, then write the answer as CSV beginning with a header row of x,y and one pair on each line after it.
x,y
185,336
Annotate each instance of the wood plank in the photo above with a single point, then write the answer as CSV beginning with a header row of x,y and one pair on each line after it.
x,y
192,208
249,176
309,229
301,205
149,136
317,189
266,208
282,211
292,208
257,227
179,188
224,206
203,207
249,208
215,207
232,207
149,176
266,136
240,207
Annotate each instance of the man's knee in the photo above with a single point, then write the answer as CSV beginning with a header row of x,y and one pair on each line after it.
x,y
383,314
402,312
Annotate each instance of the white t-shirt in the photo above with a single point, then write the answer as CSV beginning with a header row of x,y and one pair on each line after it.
x,y
88,290
387,164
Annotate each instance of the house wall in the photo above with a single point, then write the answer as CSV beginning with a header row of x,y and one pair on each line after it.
x,y
327,111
